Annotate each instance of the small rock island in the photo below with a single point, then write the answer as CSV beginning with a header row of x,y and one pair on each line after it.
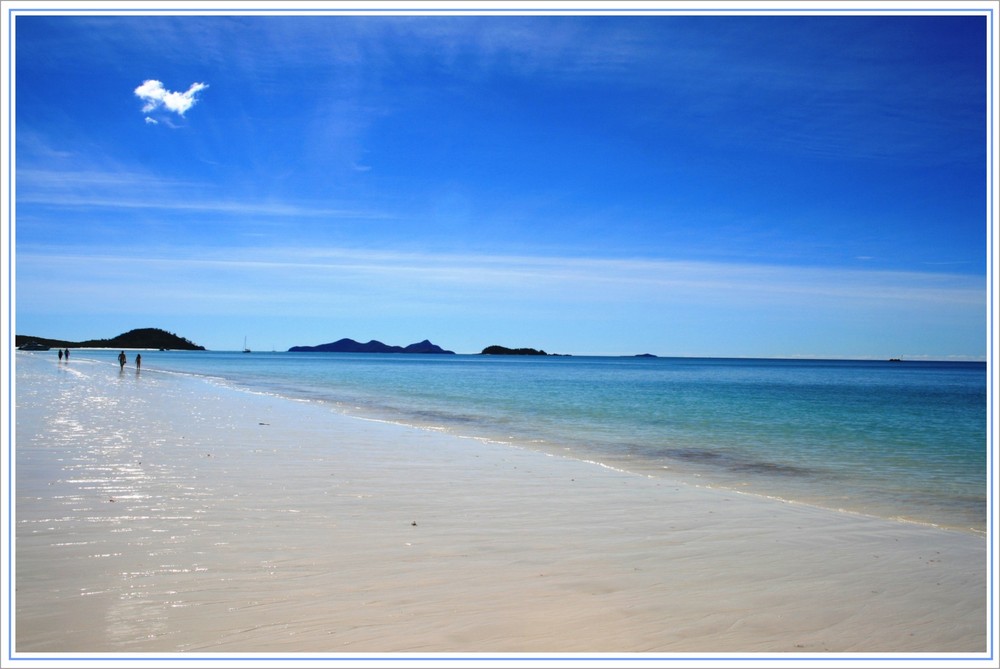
x,y
503,350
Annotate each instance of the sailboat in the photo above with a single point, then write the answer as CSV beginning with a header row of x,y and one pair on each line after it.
x,y
245,349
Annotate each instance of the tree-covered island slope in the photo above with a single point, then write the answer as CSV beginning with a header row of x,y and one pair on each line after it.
x,y
147,338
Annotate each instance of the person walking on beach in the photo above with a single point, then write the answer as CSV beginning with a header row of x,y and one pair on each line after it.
x,y
138,361
60,355
67,355
121,359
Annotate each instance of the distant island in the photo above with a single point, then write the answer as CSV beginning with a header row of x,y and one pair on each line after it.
x,y
503,350
351,346
141,338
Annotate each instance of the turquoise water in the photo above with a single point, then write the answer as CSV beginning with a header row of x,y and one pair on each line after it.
x,y
902,440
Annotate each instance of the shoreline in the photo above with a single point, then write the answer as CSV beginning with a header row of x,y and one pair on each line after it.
x,y
653,472
676,472
809,483
245,522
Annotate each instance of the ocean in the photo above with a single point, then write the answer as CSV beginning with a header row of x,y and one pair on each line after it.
x,y
902,440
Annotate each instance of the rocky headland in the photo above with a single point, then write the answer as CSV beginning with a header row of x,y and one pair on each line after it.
x,y
373,346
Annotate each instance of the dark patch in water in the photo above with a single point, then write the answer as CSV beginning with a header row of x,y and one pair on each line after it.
x,y
443,416
723,460
771,468
692,455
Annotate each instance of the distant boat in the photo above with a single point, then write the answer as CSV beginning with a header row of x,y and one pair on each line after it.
x,y
245,349
895,360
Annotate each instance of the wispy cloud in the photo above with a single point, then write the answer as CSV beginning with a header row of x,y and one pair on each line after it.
x,y
243,207
290,273
133,190
155,96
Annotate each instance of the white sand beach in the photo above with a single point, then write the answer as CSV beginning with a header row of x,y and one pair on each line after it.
x,y
167,514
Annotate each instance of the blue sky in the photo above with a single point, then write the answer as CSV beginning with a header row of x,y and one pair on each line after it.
x,y
681,185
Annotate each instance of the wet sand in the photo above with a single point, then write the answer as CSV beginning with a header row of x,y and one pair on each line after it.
x,y
158,513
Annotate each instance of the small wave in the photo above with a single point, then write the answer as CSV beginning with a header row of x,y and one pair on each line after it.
x,y
605,465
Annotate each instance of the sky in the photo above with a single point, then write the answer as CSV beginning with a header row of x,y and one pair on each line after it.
x,y
709,185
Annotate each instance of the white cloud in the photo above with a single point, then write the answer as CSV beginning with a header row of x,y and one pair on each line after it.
x,y
152,121
155,96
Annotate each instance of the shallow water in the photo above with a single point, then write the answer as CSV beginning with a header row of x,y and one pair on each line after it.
x,y
901,440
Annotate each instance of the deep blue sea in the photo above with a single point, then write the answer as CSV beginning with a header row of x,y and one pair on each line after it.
x,y
905,440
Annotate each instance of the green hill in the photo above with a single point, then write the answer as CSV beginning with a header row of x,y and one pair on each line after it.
x,y
140,338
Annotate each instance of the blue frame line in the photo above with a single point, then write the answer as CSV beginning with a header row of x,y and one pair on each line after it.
x,y
735,10
10,328
991,237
